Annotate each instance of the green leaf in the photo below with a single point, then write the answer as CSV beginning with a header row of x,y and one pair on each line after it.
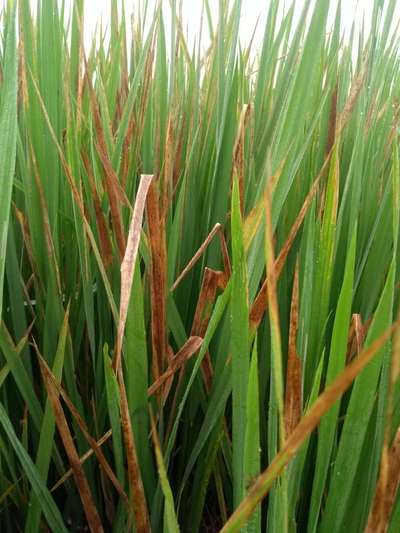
x,y
46,441
349,455
8,137
336,363
252,450
43,495
239,348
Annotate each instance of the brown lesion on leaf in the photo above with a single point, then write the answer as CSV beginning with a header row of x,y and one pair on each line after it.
x,y
238,166
293,392
158,279
357,334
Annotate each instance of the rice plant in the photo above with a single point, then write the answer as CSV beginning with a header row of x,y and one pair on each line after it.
x,y
199,282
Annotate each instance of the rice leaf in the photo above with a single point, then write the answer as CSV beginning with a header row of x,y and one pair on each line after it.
x,y
8,137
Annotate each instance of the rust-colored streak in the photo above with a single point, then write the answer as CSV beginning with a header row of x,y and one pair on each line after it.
x,y
82,484
158,279
261,301
82,460
238,153
212,281
115,192
179,148
105,242
139,505
394,475
293,393
386,490
47,373
191,346
389,471
332,121
126,151
224,250
307,424
357,334
352,99
167,175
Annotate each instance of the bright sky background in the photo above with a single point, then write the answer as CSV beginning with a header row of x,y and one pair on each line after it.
x,y
252,10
